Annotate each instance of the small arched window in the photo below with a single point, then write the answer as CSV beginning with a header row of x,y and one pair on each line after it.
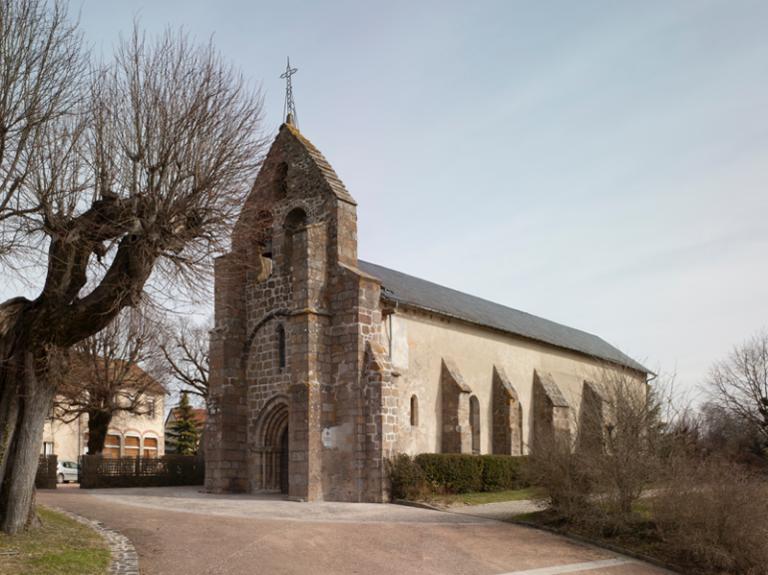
x,y
474,423
281,346
414,411
295,220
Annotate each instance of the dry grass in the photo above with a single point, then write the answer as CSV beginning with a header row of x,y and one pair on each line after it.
x,y
61,546
713,514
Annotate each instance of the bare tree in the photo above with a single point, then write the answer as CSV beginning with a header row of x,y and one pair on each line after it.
x,y
109,174
739,384
601,471
105,376
185,350
632,428
731,436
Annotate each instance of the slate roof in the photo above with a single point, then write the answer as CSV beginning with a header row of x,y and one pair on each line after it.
x,y
419,293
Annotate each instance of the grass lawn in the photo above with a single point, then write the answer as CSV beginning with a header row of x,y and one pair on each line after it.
x,y
481,497
62,546
640,538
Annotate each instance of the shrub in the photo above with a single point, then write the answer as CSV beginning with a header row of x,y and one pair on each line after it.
x,y
713,514
599,474
430,473
564,479
502,472
454,472
406,478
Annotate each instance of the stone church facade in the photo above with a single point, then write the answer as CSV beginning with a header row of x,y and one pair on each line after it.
x,y
323,366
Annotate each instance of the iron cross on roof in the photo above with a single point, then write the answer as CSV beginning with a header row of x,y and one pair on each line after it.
x,y
289,108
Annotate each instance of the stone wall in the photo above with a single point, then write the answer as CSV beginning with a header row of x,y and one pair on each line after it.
x,y
419,342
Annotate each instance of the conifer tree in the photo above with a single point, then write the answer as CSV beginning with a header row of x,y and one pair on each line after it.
x,y
184,429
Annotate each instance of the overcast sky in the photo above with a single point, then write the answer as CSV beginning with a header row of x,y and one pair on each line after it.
x,y
601,164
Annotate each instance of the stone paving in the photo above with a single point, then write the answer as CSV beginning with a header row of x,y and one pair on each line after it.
x,y
180,531
272,507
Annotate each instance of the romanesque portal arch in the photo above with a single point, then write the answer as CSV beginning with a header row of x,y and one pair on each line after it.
x,y
271,468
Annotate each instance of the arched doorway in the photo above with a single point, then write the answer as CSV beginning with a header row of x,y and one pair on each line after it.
x,y
272,433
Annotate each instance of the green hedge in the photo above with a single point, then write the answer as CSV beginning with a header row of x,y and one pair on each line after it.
x,y
429,473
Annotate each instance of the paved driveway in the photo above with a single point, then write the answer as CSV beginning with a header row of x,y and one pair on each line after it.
x,y
179,531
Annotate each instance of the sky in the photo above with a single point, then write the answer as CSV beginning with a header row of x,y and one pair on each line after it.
x,y
600,164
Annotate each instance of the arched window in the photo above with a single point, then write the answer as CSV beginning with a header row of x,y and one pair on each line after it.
x,y
131,445
281,355
112,445
414,411
149,447
264,242
474,423
294,221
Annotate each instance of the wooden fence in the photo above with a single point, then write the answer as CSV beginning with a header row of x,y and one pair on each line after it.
x,y
46,472
97,471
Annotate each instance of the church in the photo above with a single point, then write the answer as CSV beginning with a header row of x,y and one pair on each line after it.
x,y
323,365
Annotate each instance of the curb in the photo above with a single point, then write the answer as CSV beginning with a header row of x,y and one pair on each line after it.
x,y
125,560
418,505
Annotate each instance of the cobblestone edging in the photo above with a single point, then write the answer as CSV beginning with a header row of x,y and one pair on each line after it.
x,y
125,560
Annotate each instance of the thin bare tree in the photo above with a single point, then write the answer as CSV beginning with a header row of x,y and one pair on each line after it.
x,y
109,373
739,383
599,472
185,349
108,174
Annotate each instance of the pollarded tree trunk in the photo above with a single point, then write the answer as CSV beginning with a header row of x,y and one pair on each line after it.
x,y
26,399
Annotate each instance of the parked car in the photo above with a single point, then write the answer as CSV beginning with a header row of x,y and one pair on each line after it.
x,y
67,471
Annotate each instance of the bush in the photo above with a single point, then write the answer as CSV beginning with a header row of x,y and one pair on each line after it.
x,y
599,474
431,473
502,472
406,478
713,514
565,480
452,472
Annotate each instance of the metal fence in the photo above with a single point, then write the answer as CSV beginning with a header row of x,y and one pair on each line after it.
x,y
97,471
46,472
